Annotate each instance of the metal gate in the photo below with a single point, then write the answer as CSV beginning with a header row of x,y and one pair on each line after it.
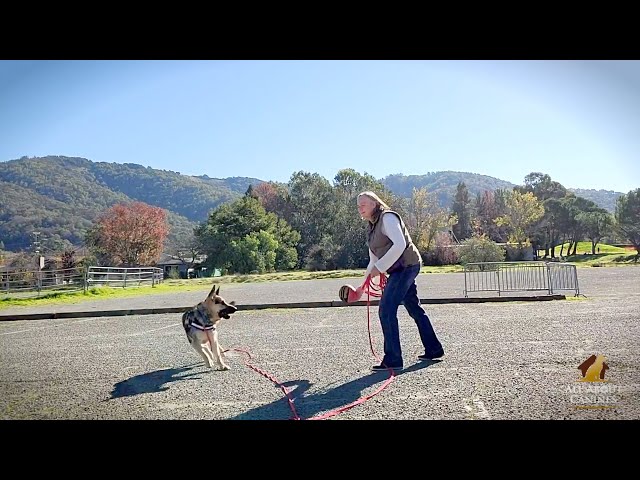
x,y
520,276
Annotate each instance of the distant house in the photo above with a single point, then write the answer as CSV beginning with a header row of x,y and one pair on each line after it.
x,y
171,263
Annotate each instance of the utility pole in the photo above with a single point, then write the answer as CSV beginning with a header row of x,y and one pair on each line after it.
x,y
36,246
36,243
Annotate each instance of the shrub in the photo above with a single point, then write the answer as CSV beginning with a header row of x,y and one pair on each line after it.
x,y
481,249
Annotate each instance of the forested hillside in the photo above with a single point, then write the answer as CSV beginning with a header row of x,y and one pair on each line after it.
x,y
443,184
60,197
604,198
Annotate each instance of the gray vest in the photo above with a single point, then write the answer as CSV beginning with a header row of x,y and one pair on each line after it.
x,y
380,243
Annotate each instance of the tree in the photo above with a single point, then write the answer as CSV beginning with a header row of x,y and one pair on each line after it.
x,y
68,263
314,209
571,224
346,247
286,253
323,256
489,206
418,212
522,210
255,253
98,255
274,197
68,259
461,208
129,234
541,185
425,218
243,237
627,217
596,224
348,184
549,228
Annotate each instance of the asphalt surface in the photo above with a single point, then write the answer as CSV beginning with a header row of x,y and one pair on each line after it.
x,y
515,360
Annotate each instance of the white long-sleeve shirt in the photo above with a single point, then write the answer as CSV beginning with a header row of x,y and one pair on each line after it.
x,y
391,228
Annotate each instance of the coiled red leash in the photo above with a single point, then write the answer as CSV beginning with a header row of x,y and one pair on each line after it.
x,y
372,290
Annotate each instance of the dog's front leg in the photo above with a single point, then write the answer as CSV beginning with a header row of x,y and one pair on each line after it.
x,y
217,350
201,345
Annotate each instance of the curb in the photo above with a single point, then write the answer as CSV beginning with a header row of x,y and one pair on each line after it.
x,y
264,306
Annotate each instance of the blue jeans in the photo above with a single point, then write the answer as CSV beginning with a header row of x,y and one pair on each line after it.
x,y
401,289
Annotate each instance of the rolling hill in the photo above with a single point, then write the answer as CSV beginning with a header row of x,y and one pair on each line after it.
x,y
60,197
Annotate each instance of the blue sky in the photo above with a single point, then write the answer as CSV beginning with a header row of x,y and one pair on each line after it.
x,y
578,121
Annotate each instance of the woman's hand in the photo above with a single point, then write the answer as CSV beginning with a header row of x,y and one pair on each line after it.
x,y
374,272
357,295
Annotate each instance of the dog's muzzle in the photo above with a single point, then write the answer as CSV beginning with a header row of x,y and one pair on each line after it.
x,y
225,312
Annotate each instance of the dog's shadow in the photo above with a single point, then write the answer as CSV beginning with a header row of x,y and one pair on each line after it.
x,y
307,406
153,382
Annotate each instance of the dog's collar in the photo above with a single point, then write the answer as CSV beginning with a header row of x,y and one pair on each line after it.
x,y
199,327
201,318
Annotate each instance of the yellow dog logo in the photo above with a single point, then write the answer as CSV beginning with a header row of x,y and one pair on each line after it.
x,y
593,369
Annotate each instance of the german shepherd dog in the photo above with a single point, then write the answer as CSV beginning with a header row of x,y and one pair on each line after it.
x,y
200,325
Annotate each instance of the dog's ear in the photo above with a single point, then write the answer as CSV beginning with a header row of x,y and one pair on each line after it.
x,y
217,291
212,292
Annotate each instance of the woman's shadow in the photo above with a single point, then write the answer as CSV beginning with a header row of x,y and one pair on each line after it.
x,y
307,406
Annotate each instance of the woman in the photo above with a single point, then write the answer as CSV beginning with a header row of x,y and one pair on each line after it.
x,y
392,251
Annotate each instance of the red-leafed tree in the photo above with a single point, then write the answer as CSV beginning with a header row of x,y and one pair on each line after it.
x,y
274,197
130,234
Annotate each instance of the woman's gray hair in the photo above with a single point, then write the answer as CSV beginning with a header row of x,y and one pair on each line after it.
x,y
374,197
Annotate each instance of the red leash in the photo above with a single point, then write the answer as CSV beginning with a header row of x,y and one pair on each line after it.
x,y
270,377
373,290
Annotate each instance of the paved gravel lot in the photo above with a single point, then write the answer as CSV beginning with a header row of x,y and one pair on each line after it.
x,y
515,360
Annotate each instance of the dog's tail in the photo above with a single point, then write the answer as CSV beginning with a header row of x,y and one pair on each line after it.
x,y
186,324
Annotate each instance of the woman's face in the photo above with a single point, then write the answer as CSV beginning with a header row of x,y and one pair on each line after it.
x,y
366,207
